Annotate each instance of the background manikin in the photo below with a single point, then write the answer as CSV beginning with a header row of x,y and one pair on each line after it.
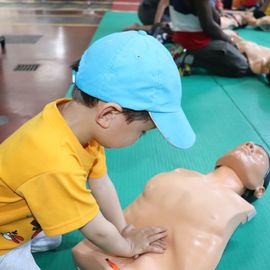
x,y
258,56
235,19
200,211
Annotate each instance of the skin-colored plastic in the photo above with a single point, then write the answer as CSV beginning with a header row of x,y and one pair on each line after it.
x,y
258,56
200,211
231,19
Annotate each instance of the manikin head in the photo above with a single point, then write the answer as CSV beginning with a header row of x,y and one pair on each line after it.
x,y
251,164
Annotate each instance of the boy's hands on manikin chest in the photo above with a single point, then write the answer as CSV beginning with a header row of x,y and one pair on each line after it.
x,y
145,240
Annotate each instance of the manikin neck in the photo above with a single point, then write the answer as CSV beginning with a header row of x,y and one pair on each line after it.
x,y
227,178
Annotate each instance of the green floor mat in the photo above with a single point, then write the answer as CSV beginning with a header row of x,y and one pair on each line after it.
x,y
223,112
252,98
250,94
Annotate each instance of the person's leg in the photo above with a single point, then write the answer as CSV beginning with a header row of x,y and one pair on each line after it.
x,y
42,243
222,58
19,259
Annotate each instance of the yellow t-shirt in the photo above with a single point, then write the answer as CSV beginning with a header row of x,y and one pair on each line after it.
x,y
43,172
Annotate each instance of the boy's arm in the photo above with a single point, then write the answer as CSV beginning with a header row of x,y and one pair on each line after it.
x,y
134,242
105,194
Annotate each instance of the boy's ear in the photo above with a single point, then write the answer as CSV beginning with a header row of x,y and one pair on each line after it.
x,y
106,113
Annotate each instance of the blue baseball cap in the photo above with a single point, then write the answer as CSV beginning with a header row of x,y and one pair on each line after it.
x,y
137,72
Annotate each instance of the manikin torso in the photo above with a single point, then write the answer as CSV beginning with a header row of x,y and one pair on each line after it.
x,y
200,216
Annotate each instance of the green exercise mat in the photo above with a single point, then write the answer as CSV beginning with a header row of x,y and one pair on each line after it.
x,y
251,95
224,113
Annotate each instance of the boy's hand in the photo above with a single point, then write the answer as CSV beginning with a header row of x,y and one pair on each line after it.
x,y
130,243
144,240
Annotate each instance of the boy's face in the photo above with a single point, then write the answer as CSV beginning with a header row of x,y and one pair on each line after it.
x,y
120,133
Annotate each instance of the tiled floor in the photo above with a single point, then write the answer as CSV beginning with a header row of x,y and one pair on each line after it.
x,y
125,5
51,34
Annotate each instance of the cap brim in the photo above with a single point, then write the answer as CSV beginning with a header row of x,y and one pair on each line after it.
x,y
175,128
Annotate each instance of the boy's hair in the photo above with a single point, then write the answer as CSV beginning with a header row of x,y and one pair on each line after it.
x,y
89,101
75,65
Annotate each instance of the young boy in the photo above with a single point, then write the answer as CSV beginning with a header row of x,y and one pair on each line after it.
x,y
127,83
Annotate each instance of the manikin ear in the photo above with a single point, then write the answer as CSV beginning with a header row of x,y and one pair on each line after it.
x,y
259,191
106,113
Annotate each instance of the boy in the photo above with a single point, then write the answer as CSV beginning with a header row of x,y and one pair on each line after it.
x,y
127,83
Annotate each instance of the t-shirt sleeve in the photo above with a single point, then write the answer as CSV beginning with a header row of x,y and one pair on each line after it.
x,y
59,201
99,167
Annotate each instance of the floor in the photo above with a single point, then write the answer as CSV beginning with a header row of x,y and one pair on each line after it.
x,y
46,36
43,38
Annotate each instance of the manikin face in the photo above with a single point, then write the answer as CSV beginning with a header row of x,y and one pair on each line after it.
x,y
250,162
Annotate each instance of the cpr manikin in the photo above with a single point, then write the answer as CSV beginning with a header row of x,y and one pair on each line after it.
x,y
200,212
258,56
233,19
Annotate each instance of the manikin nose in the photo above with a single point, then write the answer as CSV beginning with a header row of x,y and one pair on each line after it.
x,y
250,146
